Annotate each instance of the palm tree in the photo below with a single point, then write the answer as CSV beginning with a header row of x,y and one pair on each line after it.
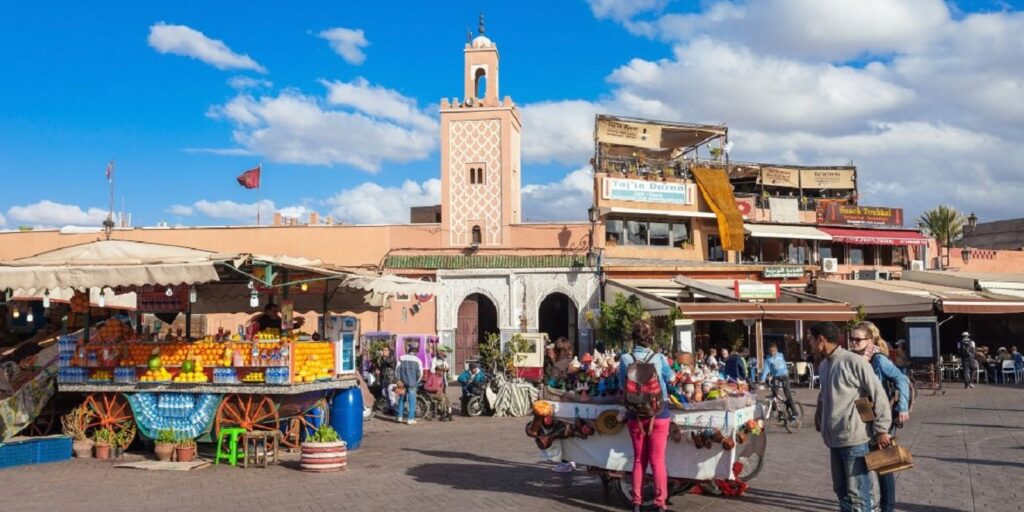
x,y
944,223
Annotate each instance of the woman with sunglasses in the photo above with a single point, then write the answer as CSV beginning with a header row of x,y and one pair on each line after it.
x,y
866,340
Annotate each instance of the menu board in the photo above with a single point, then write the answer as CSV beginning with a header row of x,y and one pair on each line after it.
x,y
154,299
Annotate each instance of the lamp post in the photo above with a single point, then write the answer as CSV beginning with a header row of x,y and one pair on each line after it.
x,y
965,254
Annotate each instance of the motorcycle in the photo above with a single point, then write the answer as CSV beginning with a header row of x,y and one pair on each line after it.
x,y
481,396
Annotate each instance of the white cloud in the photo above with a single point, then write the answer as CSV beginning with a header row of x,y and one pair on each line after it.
x,y
242,82
378,125
3,221
560,131
370,203
49,213
621,10
181,210
567,199
230,210
348,43
188,42
298,212
378,102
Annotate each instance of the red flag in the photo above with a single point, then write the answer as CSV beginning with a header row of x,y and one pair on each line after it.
x,y
110,171
250,178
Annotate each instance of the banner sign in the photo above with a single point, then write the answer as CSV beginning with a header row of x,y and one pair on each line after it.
x,y
782,272
756,290
860,215
826,178
619,189
623,133
779,177
154,299
785,210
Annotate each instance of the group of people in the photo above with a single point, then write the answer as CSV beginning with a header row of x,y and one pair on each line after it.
x,y
399,380
973,358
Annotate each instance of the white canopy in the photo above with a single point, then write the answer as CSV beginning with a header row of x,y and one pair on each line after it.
x,y
111,263
783,231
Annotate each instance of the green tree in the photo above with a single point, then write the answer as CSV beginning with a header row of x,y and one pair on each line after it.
x,y
944,223
615,324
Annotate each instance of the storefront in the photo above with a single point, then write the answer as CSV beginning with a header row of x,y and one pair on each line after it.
x,y
783,243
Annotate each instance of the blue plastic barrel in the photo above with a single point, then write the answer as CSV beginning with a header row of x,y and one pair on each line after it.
x,y
347,416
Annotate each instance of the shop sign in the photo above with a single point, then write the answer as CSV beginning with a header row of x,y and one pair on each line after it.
x,y
623,133
619,189
154,299
753,291
826,178
782,272
779,177
861,215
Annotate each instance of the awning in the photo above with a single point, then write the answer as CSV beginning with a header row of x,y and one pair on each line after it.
x,y
876,302
652,302
981,307
720,310
815,312
781,231
876,236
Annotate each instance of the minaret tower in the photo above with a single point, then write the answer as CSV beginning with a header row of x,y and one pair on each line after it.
x,y
480,156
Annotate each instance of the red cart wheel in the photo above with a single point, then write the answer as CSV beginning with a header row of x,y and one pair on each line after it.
x,y
110,410
251,412
296,425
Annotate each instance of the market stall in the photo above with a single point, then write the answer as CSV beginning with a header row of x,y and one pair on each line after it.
x,y
268,378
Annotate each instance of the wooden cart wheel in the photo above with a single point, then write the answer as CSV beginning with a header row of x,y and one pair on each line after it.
x,y
292,437
45,422
110,410
251,412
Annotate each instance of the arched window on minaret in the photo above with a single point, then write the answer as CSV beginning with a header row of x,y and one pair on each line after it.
x,y
477,236
480,84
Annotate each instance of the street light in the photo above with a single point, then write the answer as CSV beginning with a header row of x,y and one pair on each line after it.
x,y
593,214
965,254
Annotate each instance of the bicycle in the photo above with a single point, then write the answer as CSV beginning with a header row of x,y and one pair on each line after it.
x,y
775,411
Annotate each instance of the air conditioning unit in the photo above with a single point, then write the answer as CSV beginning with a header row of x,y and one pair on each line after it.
x,y
829,265
916,265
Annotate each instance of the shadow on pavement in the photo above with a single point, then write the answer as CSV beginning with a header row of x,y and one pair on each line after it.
x,y
913,507
976,461
787,501
976,425
988,409
472,472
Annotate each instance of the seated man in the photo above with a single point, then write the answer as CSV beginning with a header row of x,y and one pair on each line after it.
x,y
434,387
471,377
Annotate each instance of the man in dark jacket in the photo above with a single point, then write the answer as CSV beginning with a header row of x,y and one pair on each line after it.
x,y
410,373
968,357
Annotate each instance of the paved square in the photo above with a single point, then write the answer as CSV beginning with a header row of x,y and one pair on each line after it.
x,y
968,446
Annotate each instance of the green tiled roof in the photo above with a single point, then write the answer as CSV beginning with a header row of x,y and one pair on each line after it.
x,y
452,261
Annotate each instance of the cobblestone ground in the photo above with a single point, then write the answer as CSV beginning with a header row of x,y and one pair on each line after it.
x,y
968,446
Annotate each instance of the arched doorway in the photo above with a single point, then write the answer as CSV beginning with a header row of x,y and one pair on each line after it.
x,y
557,316
477,317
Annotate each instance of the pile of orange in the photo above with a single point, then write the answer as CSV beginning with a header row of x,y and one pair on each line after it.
x,y
313,361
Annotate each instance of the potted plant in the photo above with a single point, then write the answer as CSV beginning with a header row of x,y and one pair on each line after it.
x,y
185,450
75,424
123,439
165,442
324,451
104,438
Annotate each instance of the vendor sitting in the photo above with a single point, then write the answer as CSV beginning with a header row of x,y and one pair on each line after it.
x,y
470,377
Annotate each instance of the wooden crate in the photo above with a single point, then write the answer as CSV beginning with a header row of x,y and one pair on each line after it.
x,y
890,460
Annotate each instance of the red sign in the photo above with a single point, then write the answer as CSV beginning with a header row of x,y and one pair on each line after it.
x,y
745,206
154,299
834,213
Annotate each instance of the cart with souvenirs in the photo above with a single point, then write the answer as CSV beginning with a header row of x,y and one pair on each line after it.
x,y
128,374
716,436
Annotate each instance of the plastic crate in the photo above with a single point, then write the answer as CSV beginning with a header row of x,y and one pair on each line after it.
x,y
52,449
17,453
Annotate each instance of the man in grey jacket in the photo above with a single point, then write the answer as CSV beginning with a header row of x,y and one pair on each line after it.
x,y
845,378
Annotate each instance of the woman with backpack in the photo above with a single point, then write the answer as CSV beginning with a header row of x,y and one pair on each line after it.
x,y
645,375
866,340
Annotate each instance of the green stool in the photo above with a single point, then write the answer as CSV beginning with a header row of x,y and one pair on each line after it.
x,y
233,433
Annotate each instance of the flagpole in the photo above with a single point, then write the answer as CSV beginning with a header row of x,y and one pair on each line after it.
x,y
108,225
259,205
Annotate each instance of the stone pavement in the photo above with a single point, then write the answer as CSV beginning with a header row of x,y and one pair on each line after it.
x,y
968,446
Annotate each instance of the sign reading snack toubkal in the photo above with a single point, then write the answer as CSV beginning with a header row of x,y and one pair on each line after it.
x,y
860,215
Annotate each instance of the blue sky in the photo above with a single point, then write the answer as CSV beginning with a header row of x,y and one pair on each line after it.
x,y
87,82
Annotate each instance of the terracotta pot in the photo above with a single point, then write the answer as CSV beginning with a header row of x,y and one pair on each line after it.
x,y
103,451
82,449
185,454
324,457
164,451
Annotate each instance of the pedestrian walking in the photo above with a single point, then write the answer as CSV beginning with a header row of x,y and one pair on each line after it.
x,y
846,378
645,375
866,340
968,356
410,372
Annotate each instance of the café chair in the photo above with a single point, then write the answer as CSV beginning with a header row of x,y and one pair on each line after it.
x,y
1010,370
